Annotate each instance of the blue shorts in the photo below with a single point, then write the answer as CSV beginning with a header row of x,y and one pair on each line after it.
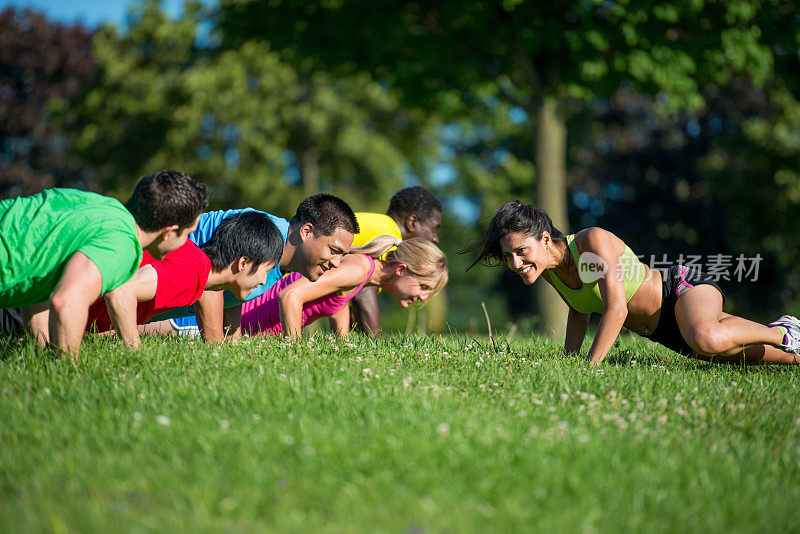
x,y
185,326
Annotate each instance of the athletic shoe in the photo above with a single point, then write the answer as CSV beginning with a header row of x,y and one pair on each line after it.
x,y
791,341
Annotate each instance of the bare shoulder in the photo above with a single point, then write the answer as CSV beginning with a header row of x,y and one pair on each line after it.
x,y
598,240
350,272
356,263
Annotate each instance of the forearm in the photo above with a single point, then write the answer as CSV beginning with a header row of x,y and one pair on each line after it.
x,y
67,323
340,322
607,332
209,309
291,315
368,316
37,321
122,312
232,322
577,323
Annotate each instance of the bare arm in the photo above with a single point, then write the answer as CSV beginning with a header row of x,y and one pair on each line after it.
x,y
37,320
123,302
612,291
349,274
232,322
210,308
369,315
157,328
78,288
340,321
577,323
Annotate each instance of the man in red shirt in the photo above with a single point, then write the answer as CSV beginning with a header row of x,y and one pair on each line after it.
x,y
237,257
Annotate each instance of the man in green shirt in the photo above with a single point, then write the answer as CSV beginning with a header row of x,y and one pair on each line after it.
x,y
62,249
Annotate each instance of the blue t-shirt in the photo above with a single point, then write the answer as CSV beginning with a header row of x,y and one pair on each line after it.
x,y
205,228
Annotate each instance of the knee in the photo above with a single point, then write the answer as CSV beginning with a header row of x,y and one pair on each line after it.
x,y
709,341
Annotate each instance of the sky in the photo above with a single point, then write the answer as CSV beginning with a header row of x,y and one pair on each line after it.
x,y
90,12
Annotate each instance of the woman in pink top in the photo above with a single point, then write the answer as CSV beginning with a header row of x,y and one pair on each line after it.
x,y
413,271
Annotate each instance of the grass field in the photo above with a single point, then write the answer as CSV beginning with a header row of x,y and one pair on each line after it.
x,y
399,435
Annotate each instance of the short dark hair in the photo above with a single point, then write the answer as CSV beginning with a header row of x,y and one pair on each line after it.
x,y
414,200
512,216
165,198
251,234
327,213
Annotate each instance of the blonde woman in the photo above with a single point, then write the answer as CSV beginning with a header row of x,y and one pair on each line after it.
x,y
411,270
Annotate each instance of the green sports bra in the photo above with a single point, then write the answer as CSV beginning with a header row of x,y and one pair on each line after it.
x,y
587,299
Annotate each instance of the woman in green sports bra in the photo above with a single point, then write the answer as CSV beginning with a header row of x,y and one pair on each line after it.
x,y
595,272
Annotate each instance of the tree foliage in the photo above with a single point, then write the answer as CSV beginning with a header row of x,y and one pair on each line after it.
x,y
39,61
259,128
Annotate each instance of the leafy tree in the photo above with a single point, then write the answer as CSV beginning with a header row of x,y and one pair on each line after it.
x,y
39,61
535,55
257,126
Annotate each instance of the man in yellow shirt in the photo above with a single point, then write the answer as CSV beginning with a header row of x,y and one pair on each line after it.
x,y
413,212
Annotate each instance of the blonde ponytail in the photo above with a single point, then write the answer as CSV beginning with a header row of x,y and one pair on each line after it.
x,y
378,246
423,258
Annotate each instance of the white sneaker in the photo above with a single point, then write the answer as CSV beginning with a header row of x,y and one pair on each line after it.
x,y
791,341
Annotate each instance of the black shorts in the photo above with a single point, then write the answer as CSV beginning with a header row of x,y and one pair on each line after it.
x,y
11,323
676,281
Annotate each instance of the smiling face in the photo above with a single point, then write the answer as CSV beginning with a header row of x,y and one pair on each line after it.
x,y
407,288
525,255
317,254
244,281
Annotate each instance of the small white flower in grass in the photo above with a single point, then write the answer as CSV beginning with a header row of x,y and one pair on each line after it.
x,y
162,420
215,353
366,372
256,418
407,381
282,377
224,425
141,396
137,416
443,429
47,391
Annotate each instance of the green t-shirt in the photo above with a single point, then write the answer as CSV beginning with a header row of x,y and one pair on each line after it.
x,y
40,233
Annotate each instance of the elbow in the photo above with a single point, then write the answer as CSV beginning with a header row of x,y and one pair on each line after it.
x,y
288,300
617,311
59,305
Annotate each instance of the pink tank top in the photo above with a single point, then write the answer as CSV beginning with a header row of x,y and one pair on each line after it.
x,y
262,314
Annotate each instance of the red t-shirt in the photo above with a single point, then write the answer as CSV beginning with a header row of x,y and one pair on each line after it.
x,y
182,277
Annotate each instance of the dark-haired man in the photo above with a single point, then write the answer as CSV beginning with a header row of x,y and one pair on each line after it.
x,y
237,258
62,249
413,212
315,240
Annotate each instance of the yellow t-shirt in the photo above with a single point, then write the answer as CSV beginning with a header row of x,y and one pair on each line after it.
x,y
372,225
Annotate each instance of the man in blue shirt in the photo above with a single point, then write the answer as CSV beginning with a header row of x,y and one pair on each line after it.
x,y
315,240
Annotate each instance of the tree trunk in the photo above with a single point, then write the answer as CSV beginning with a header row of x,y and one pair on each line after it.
x,y
551,196
311,171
